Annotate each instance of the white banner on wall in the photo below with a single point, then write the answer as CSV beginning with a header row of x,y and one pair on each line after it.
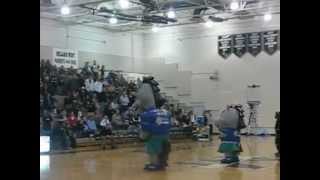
x,y
65,57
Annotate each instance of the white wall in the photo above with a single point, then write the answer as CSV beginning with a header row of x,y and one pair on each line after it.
x,y
195,49
118,48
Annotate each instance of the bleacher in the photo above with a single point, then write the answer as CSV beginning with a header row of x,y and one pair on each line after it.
x,y
123,140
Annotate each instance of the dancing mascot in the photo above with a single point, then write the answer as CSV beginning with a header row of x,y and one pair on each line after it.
x,y
155,124
230,124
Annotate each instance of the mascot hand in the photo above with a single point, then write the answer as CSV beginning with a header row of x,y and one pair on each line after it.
x,y
143,135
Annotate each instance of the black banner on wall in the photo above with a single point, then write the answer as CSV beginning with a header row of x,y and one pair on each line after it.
x,y
225,45
279,41
239,44
254,43
270,41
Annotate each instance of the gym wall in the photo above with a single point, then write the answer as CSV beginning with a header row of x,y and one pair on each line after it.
x,y
195,49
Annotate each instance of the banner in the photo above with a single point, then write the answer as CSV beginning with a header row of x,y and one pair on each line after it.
x,y
225,45
65,57
239,44
270,41
254,43
279,41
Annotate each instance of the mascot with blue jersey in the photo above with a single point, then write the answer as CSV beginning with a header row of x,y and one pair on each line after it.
x,y
230,123
155,124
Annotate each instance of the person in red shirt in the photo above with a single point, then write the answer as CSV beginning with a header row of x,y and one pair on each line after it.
x,y
72,121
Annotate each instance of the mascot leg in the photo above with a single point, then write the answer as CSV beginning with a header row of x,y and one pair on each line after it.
x,y
154,150
230,158
164,155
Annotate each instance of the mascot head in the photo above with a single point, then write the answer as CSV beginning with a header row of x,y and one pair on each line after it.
x,y
148,94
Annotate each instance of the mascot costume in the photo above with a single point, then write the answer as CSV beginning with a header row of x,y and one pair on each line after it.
x,y
230,123
155,124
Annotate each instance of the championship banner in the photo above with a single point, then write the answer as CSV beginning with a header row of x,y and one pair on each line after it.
x,y
239,44
254,43
65,57
279,41
270,41
225,45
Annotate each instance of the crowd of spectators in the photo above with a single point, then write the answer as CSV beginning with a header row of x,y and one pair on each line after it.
x,y
84,102
90,102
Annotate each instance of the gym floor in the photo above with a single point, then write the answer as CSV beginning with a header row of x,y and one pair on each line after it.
x,y
188,161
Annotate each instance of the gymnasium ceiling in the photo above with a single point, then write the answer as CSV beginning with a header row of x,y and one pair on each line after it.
x,y
144,14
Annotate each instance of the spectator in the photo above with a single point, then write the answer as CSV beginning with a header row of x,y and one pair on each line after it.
x,y
116,119
98,86
72,121
102,72
90,106
124,102
48,101
59,136
106,126
46,122
132,98
90,84
108,111
90,126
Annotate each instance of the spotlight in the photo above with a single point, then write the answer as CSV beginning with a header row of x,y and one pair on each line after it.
x,y
171,14
124,4
65,10
155,29
234,5
267,17
113,20
209,24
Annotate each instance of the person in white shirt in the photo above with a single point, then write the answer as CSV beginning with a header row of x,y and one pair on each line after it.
x,y
124,102
114,105
192,117
98,86
90,84
106,131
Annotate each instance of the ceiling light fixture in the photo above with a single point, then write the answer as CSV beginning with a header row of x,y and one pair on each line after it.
x,y
124,4
113,20
234,5
155,29
171,14
65,10
267,17
208,24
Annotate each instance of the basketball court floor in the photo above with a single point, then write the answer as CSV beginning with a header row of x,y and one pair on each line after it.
x,y
188,161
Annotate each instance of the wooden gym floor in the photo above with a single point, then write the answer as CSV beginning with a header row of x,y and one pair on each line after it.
x,y
188,161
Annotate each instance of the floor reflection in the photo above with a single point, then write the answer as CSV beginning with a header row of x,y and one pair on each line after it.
x,y
230,174
44,163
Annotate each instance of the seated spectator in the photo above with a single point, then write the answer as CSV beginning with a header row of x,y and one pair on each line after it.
x,y
72,121
89,84
132,98
108,111
102,72
59,137
46,122
117,120
124,102
90,106
90,126
106,126
114,105
48,101
98,86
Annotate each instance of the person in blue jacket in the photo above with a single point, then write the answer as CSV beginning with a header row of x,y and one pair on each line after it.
x,y
155,124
